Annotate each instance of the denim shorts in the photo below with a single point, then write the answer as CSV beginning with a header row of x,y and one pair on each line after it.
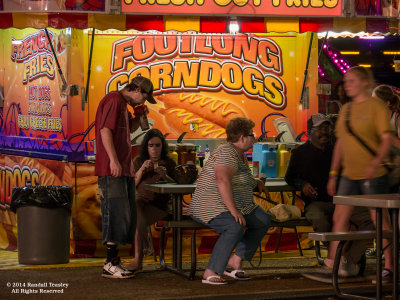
x,y
118,209
379,185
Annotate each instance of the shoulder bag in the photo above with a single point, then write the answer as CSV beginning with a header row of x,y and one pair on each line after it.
x,y
393,167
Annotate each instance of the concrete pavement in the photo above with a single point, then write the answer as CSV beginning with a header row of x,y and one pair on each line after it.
x,y
277,277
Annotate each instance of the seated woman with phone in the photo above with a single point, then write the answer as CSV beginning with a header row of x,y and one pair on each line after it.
x,y
151,165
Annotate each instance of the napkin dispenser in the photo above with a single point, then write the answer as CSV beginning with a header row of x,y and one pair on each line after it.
x,y
285,129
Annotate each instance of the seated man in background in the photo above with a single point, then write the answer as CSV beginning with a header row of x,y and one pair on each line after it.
x,y
308,171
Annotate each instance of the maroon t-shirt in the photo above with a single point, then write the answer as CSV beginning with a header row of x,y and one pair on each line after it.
x,y
113,113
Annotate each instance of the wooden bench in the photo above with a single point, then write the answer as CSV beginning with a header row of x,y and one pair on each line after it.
x,y
342,238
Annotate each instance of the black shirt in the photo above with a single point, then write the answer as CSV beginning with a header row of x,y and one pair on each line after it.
x,y
312,165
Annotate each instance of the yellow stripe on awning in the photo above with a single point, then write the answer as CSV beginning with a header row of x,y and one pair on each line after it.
x,y
24,20
394,26
281,24
349,24
182,24
103,21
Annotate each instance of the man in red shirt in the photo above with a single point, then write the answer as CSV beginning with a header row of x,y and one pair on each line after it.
x,y
114,167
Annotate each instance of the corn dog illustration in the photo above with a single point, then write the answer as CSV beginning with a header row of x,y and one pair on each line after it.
x,y
210,114
180,119
213,109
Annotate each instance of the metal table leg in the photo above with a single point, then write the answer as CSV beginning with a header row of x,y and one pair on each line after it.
x,y
335,276
174,230
178,256
378,253
395,222
177,241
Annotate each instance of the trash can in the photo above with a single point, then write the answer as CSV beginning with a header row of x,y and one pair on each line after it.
x,y
43,218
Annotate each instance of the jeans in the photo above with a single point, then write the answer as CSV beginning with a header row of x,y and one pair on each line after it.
x,y
361,217
379,185
118,209
232,234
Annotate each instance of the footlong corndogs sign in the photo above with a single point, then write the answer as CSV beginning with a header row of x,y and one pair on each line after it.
x,y
235,7
235,64
201,81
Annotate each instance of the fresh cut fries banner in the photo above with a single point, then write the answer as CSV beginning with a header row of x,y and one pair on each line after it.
x,y
201,81
235,7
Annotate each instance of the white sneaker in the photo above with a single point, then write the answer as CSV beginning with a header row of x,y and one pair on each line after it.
x,y
114,269
348,268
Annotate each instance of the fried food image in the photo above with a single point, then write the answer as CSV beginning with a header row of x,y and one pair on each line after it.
x,y
210,113
86,212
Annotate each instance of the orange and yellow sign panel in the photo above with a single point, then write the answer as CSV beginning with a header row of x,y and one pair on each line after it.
x,y
201,81
32,88
235,7
38,100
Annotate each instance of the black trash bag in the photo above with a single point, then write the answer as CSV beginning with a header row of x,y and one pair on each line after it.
x,y
51,196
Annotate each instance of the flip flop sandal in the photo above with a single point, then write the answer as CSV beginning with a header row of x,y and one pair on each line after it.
x,y
208,281
237,274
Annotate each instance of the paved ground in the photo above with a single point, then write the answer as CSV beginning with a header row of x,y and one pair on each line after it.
x,y
278,277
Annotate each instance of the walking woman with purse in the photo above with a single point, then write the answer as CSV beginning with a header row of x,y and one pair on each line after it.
x,y
364,136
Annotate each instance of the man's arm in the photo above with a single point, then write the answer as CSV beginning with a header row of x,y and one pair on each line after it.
x,y
335,165
292,177
134,122
108,143
383,150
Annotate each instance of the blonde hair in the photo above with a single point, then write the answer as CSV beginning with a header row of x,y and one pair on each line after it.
x,y
364,74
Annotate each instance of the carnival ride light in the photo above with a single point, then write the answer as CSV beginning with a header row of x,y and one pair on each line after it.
x,y
391,52
350,52
233,25
372,37
337,59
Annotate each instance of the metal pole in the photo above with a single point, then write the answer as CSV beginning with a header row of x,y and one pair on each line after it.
x,y
55,57
306,70
89,66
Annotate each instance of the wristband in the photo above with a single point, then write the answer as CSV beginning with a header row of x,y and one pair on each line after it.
x,y
332,177
333,173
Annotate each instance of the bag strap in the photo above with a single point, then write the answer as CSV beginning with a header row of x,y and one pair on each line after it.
x,y
361,141
350,130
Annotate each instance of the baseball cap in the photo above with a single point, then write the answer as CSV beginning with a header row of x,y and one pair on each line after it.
x,y
146,86
316,120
